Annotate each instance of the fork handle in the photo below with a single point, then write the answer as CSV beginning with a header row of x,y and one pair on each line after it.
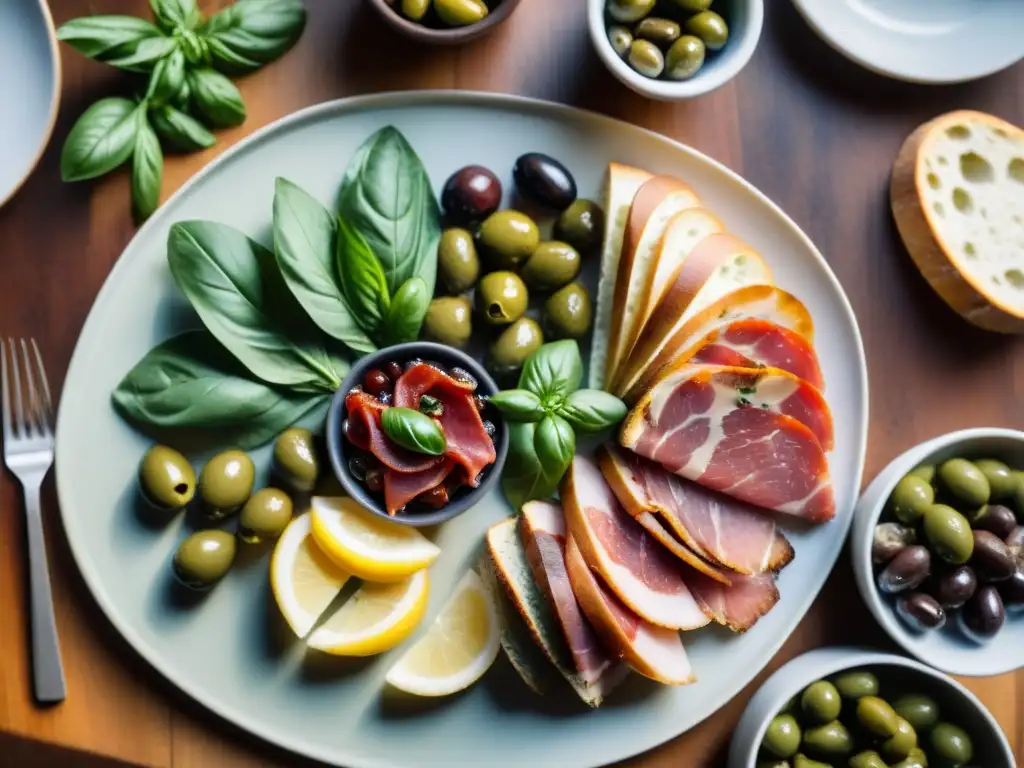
x,y
47,668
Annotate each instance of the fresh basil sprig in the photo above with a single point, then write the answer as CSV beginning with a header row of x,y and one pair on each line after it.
x,y
362,277
101,140
405,315
147,167
180,130
518,405
592,410
245,36
413,431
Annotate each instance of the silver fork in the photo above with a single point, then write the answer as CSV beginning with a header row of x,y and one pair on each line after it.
x,y
28,452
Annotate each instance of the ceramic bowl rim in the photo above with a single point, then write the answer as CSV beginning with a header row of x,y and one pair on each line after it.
x,y
451,36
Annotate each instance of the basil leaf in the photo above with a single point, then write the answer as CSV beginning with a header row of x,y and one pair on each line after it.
x,y
144,56
524,478
227,60
172,15
167,78
102,37
215,98
553,372
100,141
413,431
234,285
250,33
147,167
591,410
386,195
405,315
180,130
518,405
197,53
362,278
555,445
305,239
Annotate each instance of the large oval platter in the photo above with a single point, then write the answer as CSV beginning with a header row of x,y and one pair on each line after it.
x,y
225,651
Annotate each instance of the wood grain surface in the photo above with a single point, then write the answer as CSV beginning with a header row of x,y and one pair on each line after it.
x,y
814,132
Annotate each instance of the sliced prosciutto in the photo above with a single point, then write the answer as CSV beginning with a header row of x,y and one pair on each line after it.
x,y
542,526
698,424
366,433
653,651
718,528
644,575
739,605
468,441
753,343
402,487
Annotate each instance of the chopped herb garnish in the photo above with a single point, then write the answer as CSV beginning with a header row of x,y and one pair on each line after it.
x,y
431,406
742,401
764,405
746,390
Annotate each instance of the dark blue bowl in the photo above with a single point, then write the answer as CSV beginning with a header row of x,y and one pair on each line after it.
x,y
340,452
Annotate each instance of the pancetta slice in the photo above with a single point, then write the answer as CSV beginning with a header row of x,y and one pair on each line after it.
x,y
402,487
739,605
365,432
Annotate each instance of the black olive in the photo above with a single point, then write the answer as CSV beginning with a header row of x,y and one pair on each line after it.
x,y
543,180
481,403
920,611
954,587
374,480
436,497
471,194
413,363
375,381
490,429
461,374
991,558
1012,590
997,519
357,466
906,571
393,370
889,540
983,615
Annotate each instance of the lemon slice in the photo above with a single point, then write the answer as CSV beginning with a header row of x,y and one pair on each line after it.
x,y
367,546
459,647
375,619
303,579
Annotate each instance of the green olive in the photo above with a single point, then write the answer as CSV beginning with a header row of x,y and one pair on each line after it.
x,y
460,13
507,238
295,459
898,746
629,10
831,741
568,312
709,27
783,736
877,716
448,321
516,343
910,498
920,711
684,58
501,298
965,482
203,558
166,479
925,471
948,534
950,745
415,9
820,702
646,58
773,764
551,266
853,685
661,32
620,38
802,761
999,476
869,759
226,482
457,263
581,225
693,6
264,515
916,759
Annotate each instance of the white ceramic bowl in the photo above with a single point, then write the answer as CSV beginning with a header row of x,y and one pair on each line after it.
x,y
946,649
956,703
745,18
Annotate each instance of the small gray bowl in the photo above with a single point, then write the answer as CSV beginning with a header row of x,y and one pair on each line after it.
x,y
339,452
440,35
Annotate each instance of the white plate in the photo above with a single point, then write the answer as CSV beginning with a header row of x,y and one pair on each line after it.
x,y
923,41
220,652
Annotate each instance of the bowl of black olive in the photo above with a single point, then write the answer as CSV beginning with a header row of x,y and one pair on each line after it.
x,y
411,435
938,551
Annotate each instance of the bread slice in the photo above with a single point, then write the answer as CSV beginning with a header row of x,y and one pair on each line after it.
x,y
621,184
957,194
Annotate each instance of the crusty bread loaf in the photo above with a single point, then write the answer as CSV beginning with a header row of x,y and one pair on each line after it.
x,y
957,195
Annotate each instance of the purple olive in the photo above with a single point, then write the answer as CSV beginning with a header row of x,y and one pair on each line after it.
x,y
991,559
983,615
545,181
471,194
906,571
920,612
1012,590
954,587
1015,541
997,519
889,540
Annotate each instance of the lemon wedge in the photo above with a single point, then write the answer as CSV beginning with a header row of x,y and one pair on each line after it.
x,y
459,647
375,619
303,579
367,546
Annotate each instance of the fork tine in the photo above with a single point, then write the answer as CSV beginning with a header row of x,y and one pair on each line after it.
x,y
20,428
5,396
44,386
36,421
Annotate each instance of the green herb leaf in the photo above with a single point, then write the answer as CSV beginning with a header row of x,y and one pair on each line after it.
x,y
172,15
386,194
180,130
746,390
524,477
362,278
238,292
167,79
250,33
305,239
100,141
413,431
103,37
197,52
553,372
147,167
592,410
405,315
216,99
555,444
143,56
518,405
431,406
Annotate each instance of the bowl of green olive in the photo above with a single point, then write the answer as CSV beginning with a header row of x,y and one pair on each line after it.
x,y
938,551
856,708
675,49
444,22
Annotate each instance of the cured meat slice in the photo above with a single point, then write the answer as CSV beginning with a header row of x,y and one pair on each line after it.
x,y
542,527
718,528
753,343
402,487
695,425
739,605
365,432
653,651
657,354
468,441
644,575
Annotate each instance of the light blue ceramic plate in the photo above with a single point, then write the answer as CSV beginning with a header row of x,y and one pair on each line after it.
x,y
29,89
221,652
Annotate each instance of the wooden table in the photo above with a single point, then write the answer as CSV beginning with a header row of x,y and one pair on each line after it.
x,y
812,131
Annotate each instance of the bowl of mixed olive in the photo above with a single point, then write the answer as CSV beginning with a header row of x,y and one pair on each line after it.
x,y
938,551
675,49
855,708
444,22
